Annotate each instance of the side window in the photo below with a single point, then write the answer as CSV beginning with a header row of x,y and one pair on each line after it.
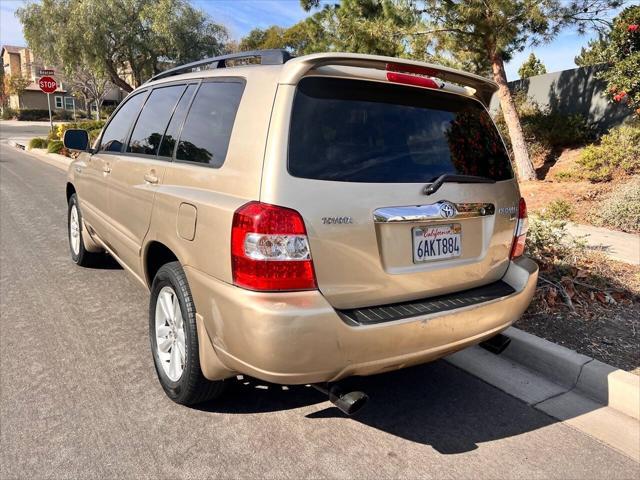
x,y
152,122
207,129
116,132
171,135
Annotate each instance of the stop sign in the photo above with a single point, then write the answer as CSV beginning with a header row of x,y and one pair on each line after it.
x,y
47,84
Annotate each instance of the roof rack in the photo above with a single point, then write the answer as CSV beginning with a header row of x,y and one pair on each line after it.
x,y
267,57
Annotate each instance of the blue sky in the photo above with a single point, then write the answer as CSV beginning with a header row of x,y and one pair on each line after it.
x,y
240,16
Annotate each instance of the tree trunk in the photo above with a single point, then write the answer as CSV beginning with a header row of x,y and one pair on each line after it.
x,y
518,144
116,80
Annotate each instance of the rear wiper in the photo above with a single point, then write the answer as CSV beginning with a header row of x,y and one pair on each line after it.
x,y
452,178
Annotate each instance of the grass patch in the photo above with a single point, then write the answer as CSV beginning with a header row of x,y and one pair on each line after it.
x,y
38,143
55,146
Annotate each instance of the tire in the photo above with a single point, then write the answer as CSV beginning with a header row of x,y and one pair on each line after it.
x,y
178,339
79,254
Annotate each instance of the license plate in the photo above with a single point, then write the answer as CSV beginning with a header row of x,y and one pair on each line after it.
x,y
436,242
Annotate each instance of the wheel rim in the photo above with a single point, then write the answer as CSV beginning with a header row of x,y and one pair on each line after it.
x,y
170,341
74,230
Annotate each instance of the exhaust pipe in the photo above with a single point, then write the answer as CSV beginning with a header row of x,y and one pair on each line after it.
x,y
348,402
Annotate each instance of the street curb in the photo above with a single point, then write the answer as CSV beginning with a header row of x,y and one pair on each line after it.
x,y
581,392
603,383
53,159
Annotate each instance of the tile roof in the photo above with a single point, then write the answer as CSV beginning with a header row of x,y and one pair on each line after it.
x,y
12,48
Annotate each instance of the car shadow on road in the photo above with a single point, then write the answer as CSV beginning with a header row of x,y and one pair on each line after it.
x,y
435,404
104,261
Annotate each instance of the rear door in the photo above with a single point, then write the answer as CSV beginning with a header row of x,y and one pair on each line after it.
x,y
139,170
355,164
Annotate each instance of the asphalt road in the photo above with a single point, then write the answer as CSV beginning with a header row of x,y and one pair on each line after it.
x,y
79,396
10,129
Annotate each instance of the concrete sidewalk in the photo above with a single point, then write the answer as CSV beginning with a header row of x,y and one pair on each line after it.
x,y
624,247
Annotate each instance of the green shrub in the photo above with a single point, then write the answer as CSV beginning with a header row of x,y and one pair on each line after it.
x,y
38,143
621,209
62,115
548,238
55,146
8,113
565,176
93,135
32,114
559,210
546,132
618,151
89,125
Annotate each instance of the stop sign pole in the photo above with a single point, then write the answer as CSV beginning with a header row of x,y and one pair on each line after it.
x,y
48,85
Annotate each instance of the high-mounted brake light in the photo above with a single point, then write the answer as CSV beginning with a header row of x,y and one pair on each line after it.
x,y
520,236
270,250
412,75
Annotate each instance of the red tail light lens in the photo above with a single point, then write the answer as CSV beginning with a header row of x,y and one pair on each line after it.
x,y
270,249
517,250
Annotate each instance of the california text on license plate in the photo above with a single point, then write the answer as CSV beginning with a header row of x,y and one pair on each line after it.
x,y
436,242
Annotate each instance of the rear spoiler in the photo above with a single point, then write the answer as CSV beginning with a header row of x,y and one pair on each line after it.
x,y
298,67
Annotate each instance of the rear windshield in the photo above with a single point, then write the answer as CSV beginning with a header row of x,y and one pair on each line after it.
x,y
358,131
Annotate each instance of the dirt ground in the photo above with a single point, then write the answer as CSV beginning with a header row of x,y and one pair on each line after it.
x,y
610,335
591,304
584,196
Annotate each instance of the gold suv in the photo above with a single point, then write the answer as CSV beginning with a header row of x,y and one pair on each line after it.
x,y
301,220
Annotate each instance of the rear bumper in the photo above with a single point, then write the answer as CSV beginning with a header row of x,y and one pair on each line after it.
x,y
297,338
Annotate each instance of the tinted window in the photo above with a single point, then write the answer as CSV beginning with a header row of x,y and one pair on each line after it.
x,y
170,136
356,131
116,132
206,131
152,122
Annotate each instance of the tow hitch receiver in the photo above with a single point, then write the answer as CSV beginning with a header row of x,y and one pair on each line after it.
x,y
496,344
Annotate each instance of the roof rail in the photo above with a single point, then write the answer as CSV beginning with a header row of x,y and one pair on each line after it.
x,y
267,57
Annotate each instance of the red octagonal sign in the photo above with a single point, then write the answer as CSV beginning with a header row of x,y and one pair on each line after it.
x,y
47,84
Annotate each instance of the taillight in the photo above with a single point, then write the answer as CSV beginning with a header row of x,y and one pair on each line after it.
x,y
270,249
412,75
522,227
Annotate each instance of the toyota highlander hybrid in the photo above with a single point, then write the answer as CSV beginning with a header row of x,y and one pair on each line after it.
x,y
302,220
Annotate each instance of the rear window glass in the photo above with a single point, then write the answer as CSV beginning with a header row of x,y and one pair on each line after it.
x,y
207,129
157,110
357,131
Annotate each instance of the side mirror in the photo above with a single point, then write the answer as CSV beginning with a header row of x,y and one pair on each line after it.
x,y
76,139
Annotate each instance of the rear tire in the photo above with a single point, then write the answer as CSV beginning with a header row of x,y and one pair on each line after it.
x,y
79,254
174,339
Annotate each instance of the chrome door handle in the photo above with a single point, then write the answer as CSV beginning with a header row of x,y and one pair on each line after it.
x,y
150,178
106,169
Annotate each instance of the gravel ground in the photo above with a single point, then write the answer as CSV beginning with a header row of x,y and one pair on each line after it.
x,y
609,334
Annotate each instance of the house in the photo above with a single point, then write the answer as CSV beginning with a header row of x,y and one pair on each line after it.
x,y
21,61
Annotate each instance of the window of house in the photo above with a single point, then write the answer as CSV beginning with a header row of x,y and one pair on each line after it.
x,y
207,130
68,103
58,102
